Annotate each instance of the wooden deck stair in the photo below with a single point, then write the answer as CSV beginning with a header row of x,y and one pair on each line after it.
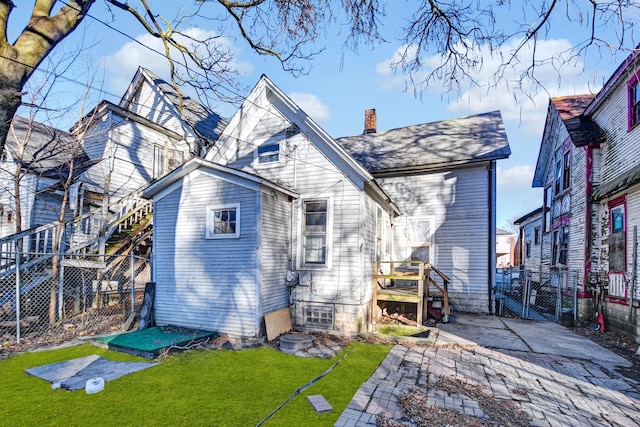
x,y
412,282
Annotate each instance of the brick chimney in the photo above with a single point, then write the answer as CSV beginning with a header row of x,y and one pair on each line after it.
x,y
370,125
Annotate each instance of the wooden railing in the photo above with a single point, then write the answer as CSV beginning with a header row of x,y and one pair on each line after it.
x,y
390,280
80,236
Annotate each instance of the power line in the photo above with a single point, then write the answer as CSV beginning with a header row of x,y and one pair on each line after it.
x,y
60,76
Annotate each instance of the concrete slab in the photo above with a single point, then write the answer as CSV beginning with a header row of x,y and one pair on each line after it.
x,y
73,374
553,338
319,403
490,337
476,320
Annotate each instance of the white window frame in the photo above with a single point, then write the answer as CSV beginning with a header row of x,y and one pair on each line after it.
x,y
415,243
211,210
300,264
256,155
166,159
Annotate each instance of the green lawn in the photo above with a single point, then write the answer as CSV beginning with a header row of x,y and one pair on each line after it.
x,y
197,387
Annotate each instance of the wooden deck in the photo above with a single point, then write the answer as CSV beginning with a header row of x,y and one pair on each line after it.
x,y
403,282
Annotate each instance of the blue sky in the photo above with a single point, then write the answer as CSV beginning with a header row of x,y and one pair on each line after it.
x,y
341,84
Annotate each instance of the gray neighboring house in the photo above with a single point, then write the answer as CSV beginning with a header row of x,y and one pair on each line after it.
x,y
45,155
529,244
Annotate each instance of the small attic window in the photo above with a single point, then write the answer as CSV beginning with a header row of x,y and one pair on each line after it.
x,y
268,154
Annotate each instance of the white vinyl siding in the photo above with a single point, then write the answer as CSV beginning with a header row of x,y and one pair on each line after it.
x,y
308,171
458,203
127,157
150,103
201,283
275,250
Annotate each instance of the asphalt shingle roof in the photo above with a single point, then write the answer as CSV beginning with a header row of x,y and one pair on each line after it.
x,y
583,130
47,151
206,123
431,145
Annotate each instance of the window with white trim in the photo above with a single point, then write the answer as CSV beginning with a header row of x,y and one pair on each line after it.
x,y
315,232
166,159
223,222
421,236
268,154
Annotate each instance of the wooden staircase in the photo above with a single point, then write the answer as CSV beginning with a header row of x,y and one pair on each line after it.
x,y
414,282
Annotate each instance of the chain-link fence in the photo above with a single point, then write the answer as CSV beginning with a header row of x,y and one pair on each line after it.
x,y
528,294
56,299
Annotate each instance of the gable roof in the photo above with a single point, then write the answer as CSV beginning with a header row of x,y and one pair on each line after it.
x,y
431,146
620,73
533,214
185,169
265,91
105,106
206,124
582,129
47,151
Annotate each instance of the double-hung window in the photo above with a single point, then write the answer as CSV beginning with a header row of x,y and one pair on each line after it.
x,y
560,245
634,102
421,233
223,222
617,236
315,236
165,160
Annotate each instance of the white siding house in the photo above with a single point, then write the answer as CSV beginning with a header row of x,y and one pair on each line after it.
x,y
616,196
44,155
221,240
335,218
442,176
333,236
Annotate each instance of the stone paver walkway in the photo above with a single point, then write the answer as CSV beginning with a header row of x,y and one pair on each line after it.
x,y
553,390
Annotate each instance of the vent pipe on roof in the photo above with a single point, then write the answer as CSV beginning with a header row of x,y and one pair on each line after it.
x,y
370,121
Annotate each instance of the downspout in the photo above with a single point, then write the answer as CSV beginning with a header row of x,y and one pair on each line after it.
x,y
492,231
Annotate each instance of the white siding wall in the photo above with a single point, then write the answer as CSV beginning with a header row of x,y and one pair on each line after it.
x,y
202,283
305,169
620,152
128,157
578,209
633,220
149,103
532,262
458,202
275,250
555,135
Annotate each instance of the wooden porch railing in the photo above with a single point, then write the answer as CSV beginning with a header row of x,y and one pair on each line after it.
x,y
385,288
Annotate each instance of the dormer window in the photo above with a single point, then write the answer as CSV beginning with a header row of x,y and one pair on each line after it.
x,y
269,154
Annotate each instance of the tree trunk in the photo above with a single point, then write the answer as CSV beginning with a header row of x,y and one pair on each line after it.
x,y
55,264
9,102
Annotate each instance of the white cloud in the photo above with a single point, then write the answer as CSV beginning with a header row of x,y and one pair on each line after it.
x,y
312,105
516,197
521,101
123,64
514,178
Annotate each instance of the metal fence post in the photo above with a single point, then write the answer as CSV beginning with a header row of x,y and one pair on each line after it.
x,y
133,282
60,289
18,281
